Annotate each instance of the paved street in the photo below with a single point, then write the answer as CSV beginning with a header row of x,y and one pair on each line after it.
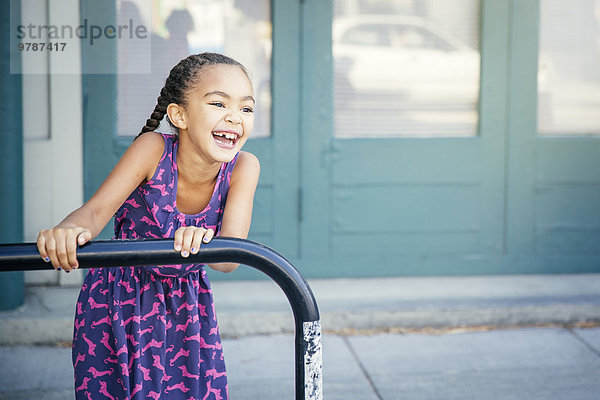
x,y
527,363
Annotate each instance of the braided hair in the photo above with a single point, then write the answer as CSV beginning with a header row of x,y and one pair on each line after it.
x,y
180,81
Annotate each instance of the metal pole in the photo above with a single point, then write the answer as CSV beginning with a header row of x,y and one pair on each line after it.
x,y
113,253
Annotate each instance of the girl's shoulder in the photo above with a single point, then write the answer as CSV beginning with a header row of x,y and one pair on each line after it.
x,y
153,141
248,160
150,147
247,168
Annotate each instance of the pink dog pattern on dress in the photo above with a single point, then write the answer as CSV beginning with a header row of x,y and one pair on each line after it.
x,y
160,318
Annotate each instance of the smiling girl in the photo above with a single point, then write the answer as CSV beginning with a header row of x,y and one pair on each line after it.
x,y
150,331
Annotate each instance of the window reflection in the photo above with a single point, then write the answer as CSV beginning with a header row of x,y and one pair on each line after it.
x,y
239,28
569,67
406,69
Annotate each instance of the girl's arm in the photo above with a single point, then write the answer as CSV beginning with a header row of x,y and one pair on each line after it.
x,y
59,244
238,209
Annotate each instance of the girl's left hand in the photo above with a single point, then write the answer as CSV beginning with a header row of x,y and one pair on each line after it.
x,y
188,239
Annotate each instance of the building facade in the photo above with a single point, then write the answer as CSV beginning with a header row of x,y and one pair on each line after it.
x,y
403,138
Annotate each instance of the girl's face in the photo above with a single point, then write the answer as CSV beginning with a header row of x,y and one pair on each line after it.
x,y
220,112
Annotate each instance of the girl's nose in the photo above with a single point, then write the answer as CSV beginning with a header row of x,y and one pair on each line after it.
x,y
233,118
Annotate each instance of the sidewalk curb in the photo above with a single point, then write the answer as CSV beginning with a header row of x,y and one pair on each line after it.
x,y
34,331
259,308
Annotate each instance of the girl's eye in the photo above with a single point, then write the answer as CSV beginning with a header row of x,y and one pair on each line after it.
x,y
247,110
217,104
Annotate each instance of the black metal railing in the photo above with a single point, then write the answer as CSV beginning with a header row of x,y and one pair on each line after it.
x,y
113,253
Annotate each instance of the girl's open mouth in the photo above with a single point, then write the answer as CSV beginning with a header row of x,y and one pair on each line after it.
x,y
226,139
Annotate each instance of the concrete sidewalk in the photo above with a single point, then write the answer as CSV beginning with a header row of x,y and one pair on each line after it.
x,y
500,337
528,363
351,305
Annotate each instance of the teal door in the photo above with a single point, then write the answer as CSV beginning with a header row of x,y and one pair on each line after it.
x,y
553,168
396,206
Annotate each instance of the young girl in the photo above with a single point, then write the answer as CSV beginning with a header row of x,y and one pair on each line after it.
x,y
151,332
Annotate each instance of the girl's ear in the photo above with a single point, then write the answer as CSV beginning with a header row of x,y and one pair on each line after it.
x,y
177,116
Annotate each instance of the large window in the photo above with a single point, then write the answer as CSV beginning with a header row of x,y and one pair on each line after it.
x,y
569,67
406,68
238,28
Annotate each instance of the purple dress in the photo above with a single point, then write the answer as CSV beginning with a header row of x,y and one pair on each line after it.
x,y
151,332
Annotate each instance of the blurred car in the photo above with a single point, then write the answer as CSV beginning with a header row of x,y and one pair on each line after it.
x,y
405,57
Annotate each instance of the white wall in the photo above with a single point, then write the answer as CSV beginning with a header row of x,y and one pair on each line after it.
x,y
53,145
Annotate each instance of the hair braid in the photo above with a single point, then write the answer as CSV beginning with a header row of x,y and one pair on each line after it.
x,y
182,78
157,115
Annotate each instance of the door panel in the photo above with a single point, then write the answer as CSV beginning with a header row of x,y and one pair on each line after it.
x,y
567,196
429,196
389,161
393,205
262,216
553,193
567,180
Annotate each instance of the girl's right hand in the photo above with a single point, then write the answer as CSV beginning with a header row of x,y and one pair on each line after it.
x,y
59,246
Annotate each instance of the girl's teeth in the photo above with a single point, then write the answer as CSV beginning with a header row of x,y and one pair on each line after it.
x,y
227,135
226,139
